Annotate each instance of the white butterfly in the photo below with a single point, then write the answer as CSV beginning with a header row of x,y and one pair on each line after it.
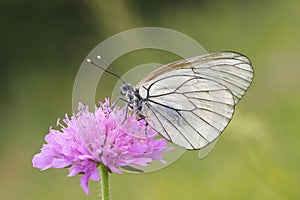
x,y
191,101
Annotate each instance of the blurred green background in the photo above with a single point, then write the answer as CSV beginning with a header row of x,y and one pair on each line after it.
x,y
44,42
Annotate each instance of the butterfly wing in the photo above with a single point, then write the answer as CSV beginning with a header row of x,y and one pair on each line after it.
x,y
231,69
190,102
187,110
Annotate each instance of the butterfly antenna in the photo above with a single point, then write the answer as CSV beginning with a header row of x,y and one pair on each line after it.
x,y
112,72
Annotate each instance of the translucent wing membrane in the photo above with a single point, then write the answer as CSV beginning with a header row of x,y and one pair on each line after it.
x,y
187,110
191,101
230,69
233,70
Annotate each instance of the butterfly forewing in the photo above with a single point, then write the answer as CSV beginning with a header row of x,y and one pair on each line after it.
x,y
231,69
191,101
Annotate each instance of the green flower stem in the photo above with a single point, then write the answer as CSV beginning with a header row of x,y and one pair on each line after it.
x,y
104,182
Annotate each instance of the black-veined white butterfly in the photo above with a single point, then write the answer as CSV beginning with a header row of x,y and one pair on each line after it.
x,y
191,101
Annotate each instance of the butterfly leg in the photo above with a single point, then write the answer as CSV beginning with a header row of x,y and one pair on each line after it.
x,y
146,129
142,117
117,100
126,114
127,106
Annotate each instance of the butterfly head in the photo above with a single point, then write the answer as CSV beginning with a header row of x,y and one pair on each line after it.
x,y
125,89
132,95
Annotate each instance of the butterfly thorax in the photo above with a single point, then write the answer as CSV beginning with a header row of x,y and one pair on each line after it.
x,y
132,94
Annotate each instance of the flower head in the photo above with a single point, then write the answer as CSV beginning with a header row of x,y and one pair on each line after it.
x,y
91,138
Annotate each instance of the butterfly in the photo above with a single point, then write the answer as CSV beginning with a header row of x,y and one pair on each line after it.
x,y
191,101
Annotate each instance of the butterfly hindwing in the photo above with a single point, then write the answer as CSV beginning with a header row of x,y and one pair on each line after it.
x,y
191,113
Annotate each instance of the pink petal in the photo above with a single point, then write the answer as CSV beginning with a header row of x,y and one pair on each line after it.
x,y
42,162
84,183
75,169
60,163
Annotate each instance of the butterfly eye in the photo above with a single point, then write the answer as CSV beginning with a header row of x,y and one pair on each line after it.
x,y
123,89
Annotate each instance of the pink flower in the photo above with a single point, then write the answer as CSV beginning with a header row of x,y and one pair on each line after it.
x,y
91,138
